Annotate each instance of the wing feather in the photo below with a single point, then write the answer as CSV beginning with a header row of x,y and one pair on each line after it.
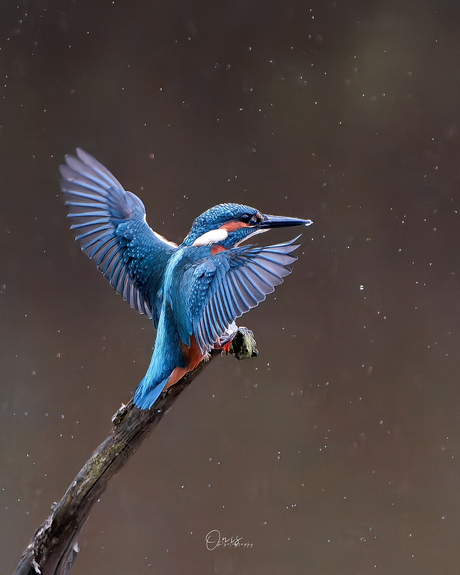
x,y
111,228
230,283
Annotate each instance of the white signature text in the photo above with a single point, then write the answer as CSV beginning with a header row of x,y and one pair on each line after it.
x,y
214,540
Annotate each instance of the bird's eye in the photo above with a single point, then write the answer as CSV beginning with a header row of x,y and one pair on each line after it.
x,y
245,218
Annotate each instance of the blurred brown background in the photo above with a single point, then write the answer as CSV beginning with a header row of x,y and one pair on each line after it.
x,y
337,450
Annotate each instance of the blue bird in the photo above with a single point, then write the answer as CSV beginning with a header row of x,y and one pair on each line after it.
x,y
192,292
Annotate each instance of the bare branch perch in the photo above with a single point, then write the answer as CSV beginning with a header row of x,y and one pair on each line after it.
x,y
53,548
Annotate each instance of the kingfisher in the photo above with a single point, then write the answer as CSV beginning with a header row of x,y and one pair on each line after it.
x,y
192,292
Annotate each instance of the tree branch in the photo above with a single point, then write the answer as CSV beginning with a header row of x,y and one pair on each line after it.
x,y
53,548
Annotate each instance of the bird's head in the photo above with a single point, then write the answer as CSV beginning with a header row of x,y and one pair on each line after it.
x,y
227,225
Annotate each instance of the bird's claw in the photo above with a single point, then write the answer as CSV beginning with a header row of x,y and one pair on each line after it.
x,y
225,347
225,342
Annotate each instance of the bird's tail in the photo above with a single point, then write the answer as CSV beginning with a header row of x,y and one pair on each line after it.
x,y
166,356
148,392
153,382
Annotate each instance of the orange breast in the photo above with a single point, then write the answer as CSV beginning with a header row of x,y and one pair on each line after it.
x,y
216,249
192,356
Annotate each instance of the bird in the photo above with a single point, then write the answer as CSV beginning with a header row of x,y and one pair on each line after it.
x,y
192,292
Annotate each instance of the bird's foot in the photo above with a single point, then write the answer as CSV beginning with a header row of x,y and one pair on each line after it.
x,y
225,347
239,341
225,342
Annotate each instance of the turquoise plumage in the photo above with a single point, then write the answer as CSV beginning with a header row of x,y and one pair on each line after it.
x,y
193,292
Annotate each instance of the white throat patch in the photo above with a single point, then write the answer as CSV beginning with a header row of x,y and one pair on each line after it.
x,y
211,237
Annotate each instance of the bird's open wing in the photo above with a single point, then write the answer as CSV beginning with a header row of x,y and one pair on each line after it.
x,y
111,228
230,283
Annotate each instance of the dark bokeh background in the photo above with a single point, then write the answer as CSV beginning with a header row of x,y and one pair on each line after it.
x,y
337,451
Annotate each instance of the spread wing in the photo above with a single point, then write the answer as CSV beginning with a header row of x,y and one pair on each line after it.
x,y
230,283
111,228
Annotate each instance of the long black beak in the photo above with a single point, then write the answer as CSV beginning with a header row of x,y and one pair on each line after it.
x,y
282,222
